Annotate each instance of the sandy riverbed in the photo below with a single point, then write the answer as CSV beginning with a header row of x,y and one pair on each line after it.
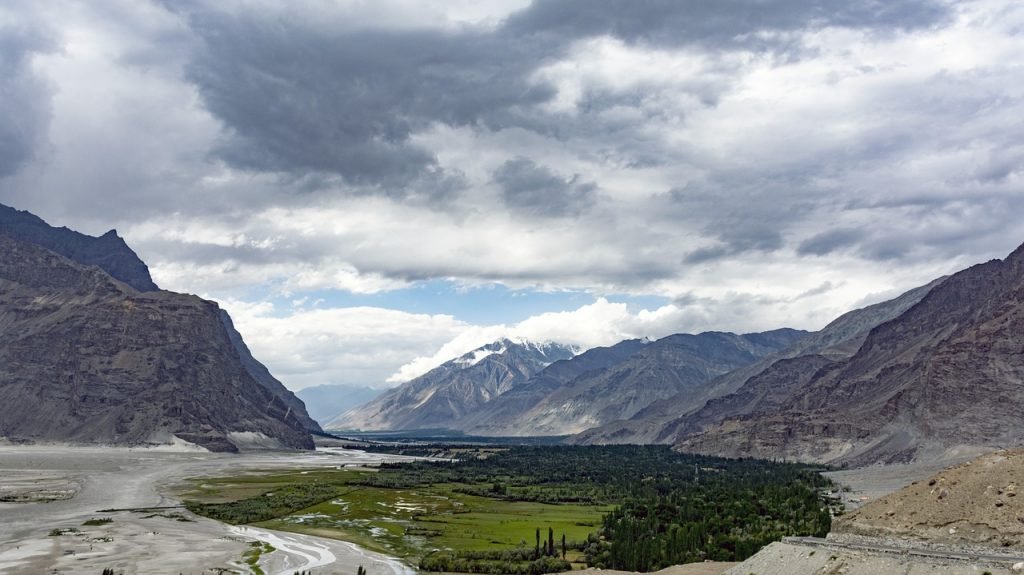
x,y
70,485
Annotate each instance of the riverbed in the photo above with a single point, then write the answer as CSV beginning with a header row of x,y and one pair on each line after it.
x,y
54,490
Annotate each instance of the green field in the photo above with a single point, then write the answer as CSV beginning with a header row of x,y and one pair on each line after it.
x,y
407,523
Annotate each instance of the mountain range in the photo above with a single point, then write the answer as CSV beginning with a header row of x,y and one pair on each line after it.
x,y
454,389
946,375
92,351
544,389
938,370
737,391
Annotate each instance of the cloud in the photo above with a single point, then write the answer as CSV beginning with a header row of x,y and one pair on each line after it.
x,y
716,24
25,112
600,323
306,346
829,241
538,191
346,99
728,156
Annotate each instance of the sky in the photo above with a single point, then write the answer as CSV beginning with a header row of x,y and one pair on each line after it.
x,y
373,187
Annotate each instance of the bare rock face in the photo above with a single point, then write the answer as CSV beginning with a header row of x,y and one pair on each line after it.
x,y
86,358
760,387
108,252
947,373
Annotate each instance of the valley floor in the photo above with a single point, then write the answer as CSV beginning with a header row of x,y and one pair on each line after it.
x,y
49,493
56,490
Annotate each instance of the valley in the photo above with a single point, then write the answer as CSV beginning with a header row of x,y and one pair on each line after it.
x,y
149,531
516,510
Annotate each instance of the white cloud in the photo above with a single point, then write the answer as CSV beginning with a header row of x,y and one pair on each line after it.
x,y
359,346
904,145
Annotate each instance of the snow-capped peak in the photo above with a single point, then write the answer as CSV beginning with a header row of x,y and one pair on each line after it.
x,y
504,344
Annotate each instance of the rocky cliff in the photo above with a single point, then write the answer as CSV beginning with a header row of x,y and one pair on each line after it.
x,y
87,358
947,373
108,252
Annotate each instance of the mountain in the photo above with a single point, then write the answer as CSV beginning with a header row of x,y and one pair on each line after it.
x,y
945,375
500,416
445,394
108,252
87,358
325,402
763,383
615,383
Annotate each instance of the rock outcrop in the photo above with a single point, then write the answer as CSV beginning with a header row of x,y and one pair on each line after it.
x,y
108,252
947,373
87,358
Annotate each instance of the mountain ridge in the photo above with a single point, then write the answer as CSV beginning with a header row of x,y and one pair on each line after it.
x,y
666,420
108,252
88,358
947,373
448,392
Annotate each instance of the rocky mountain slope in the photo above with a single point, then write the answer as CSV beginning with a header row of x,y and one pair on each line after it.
x,y
499,417
108,252
680,364
978,502
948,372
447,393
87,358
761,385
965,519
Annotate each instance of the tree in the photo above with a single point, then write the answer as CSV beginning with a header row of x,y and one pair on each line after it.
x,y
551,542
563,545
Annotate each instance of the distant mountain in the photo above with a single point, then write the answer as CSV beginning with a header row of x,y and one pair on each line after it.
x,y
500,416
607,384
108,252
325,402
87,358
945,375
446,394
762,383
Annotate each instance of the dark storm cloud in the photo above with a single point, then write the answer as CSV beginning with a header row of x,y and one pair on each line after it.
x,y
297,98
829,241
539,191
743,213
721,24
24,98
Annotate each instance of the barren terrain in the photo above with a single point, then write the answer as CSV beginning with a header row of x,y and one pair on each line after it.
x,y
148,541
